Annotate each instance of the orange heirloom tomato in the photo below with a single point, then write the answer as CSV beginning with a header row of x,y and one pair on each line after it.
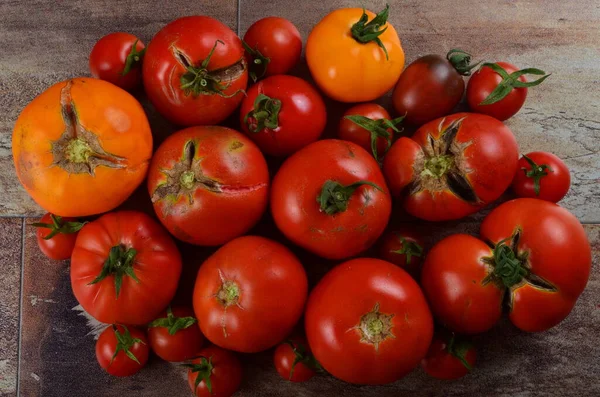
x,y
82,147
355,55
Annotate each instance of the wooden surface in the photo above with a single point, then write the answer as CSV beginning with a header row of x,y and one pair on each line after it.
x,y
46,348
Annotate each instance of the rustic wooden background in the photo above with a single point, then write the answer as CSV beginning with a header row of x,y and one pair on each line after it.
x,y
47,348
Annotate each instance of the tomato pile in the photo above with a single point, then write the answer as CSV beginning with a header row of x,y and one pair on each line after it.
x,y
84,145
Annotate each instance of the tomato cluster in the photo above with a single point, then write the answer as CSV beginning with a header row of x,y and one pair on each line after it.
x,y
84,145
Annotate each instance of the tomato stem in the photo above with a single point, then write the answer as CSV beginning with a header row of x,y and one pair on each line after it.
x,y
458,348
377,129
334,196
265,114
257,68
364,32
59,226
229,293
187,179
204,370
78,151
134,58
172,323
537,172
301,355
124,343
409,248
510,81
509,269
375,327
438,166
461,61
119,263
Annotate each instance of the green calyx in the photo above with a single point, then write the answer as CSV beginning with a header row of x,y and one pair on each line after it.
x,y
229,293
119,263
509,267
334,196
437,166
458,348
377,129
78,151
264,115
537,172
511,81
134,59
203,369
58,226
301,355
124,343
461,61
365,32
257,67
409,248
172,323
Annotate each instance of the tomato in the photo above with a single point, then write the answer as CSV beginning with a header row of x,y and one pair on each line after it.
x,y
249,294
208,185
403,247
194,71
354,55
117,58
294,361
56,236
431,86
330,198
273,46
216,373
367,322
122,350
282,114
542,175
539,263
369,126
449,357
81,147
124,268
452,166
499,89
174,335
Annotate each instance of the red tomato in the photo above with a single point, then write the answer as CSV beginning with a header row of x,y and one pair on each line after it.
x,y
453,166
208,184
174,335
117,58
122,350
403,247
194,71
56,235
216,373
499,89
282,114
542,175
294,361
331,199
249,294
367,322
369,126
273,46
124,268
449,357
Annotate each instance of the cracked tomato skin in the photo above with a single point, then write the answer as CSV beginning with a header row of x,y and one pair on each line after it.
x,y
230,184
249,294
299,216
193,38
337,307
107,113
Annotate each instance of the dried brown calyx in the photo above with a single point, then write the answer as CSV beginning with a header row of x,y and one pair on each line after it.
x,y
375,327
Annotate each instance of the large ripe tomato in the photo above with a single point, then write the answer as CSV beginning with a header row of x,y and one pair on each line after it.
x,y
208,184
249,294
403,247
452,166
125,268
431,86
122,350
354,55
449,357
56,236
330,198
216,373
499,89
294,361
367,322
539,263
282,114
273,46
81,147
174,335
117,58
194,71
542,175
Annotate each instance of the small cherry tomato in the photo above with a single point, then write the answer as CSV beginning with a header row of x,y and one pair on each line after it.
x,y
117,58
403,247
56,235
449,357
273,46
215,373
499,89
294,361
175,336
122,350
542,175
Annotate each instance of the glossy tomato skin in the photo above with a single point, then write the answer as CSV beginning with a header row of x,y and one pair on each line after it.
x,y
298,214
483,82
183,345
109,56
399,164
350,131
349,71
397,245
277,39
249,294
348,295
300,121
122,365
60,246
156,264
190,40
284,357
441,364
429,88
553,186
226,375
229,188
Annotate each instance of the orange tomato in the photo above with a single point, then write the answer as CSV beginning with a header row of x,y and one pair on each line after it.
x,y
81,147
354,55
